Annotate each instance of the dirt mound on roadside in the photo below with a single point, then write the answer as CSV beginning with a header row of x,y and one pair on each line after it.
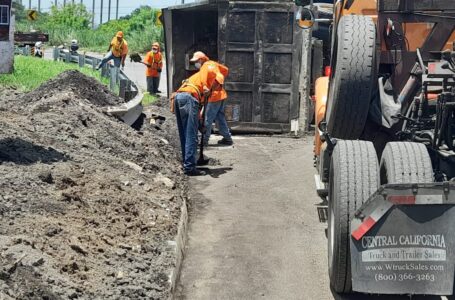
x,y
73,82
88,205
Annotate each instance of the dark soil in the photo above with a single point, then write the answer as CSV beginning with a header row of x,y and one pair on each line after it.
x,y
88,205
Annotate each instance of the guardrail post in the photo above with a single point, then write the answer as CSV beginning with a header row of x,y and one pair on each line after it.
x,y
81,60
94,63
27,50
67,57
113,78
105,70
55,53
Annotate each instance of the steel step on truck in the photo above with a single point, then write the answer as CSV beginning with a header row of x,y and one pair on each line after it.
x,y
385,144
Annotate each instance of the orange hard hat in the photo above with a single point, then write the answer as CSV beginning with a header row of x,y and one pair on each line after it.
x,y
119,34
219,78
199,55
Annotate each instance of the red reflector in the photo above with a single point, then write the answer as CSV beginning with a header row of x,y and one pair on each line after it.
x,y
313,98
363,228
402,199
327,71
431,68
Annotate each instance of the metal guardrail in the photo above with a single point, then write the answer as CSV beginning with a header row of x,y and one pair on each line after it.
x,y
118,82
127,89
23,50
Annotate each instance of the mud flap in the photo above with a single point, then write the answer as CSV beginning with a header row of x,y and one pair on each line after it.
x,y
402,241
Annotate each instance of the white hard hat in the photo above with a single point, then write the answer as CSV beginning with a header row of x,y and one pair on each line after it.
x,y
38,44
74,42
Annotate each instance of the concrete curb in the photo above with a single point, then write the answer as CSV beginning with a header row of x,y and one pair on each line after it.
x,y
178,246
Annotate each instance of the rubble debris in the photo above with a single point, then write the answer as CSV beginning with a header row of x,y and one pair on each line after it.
x,y
63,164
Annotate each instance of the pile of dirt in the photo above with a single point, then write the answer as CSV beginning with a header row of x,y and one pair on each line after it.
x,y
73,82
88,205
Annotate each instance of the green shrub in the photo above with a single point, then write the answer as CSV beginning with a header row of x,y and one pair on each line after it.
x,y
64,24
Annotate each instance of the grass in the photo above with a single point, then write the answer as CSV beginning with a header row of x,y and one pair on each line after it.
x,y
148,99
30,72
97,41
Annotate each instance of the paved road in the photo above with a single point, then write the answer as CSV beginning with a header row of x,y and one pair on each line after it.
x,y
254,232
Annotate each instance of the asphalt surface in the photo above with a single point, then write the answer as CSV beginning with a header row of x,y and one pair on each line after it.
x,y
254,231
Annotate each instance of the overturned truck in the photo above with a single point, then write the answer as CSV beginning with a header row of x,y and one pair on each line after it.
x,y
260,43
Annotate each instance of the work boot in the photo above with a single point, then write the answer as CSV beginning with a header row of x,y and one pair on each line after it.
x,y
195,172
226,142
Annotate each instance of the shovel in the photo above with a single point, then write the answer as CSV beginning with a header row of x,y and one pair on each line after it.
x,y
138,59
202,161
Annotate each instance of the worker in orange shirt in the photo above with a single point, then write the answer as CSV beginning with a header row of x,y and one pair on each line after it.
x,y
215,110
217,101
154,62
187,101
118,49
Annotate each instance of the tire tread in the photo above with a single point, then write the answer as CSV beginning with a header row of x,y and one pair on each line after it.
x,y
354,77
356,175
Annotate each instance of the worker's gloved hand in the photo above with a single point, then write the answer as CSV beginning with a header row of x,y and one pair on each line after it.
x,y
159,70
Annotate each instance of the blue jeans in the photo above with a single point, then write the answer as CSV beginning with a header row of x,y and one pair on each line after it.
x,y
215,112
186,111
108,57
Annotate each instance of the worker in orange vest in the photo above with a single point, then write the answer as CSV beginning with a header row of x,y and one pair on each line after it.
x,y
190,96
217,101
215,110
154,62
118,49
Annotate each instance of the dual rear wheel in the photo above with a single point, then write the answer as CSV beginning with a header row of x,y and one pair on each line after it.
x,y
354,176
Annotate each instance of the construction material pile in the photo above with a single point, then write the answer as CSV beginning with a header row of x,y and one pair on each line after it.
x,y
88,205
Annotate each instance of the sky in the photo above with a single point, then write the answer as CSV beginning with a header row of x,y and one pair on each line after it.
x,y
125,6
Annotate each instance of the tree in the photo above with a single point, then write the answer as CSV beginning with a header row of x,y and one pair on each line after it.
x,y
73,16
19,12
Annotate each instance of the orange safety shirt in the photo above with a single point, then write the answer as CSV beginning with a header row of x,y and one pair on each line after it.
x,y
119,49
219,93
196,83
156,62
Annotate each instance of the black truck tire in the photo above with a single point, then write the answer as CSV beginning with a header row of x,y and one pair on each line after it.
x,y
354,77
354,176
406,162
